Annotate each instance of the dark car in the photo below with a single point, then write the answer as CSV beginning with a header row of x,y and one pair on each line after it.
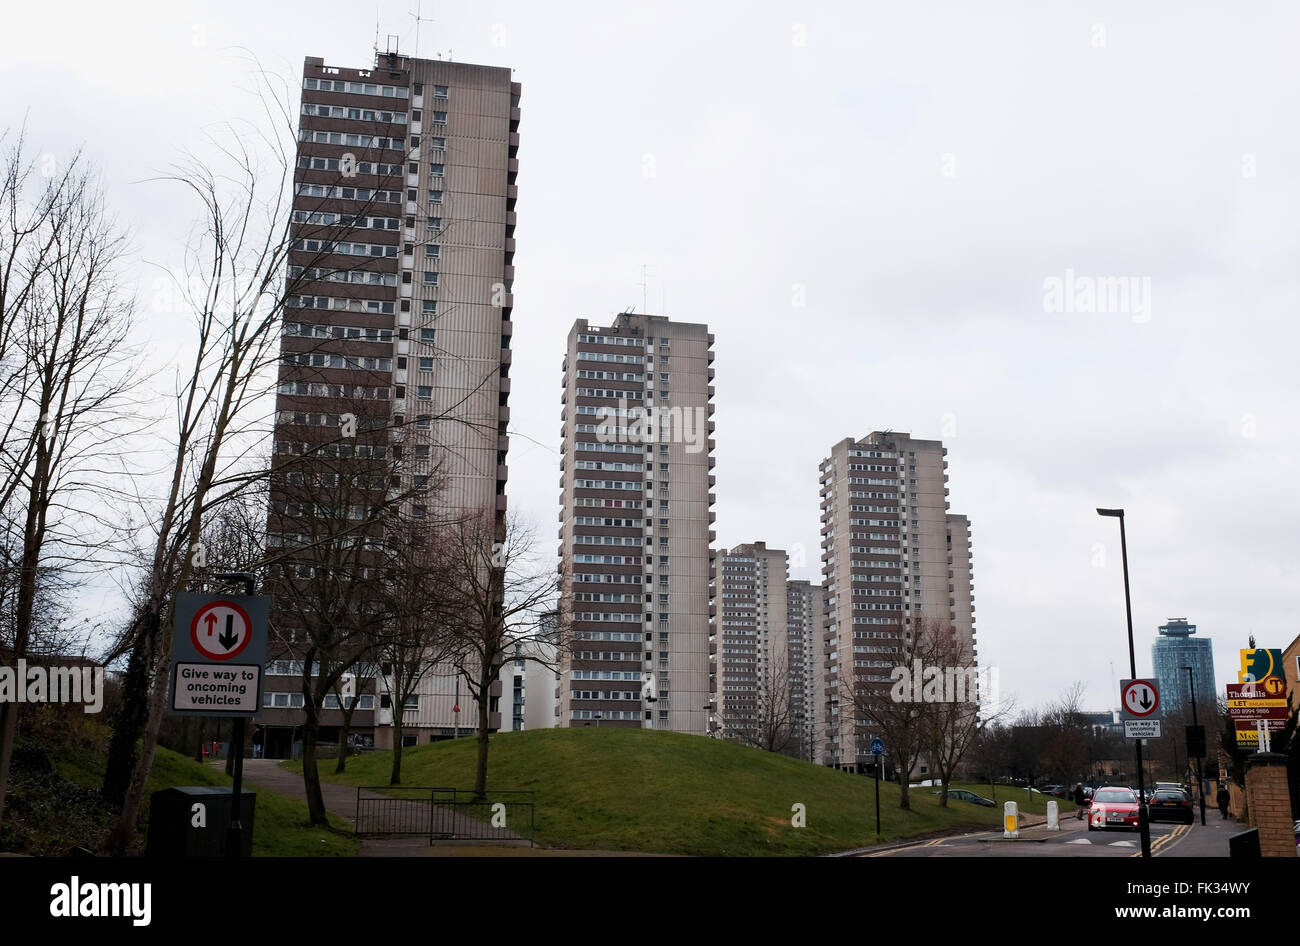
x,y
1170,805
962,795
1113,808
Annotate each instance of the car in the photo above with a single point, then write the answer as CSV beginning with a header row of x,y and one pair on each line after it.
x,y
962,794
1171,805
1113,808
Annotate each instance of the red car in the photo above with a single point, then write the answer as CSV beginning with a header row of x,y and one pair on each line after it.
x,y
1113,808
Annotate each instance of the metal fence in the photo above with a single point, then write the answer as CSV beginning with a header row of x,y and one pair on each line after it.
x,y
445,814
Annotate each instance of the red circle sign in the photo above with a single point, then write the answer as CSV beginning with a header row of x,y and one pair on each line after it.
x,y
220,630
1141,698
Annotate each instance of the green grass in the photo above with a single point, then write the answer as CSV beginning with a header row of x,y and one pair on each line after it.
x,y
280,825
669,793
1037,805
55,805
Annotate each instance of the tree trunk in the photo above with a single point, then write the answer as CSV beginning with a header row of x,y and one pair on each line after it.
x,y
125,829
480,770
8,734
129,721
396,777
341,764
310,776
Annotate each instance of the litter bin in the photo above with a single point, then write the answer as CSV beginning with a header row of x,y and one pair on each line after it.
x,y
194,821
1245,844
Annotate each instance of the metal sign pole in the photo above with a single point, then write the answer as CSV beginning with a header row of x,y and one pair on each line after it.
x,y
235,839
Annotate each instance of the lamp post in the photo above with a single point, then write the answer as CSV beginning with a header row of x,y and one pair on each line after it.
x,y
1143,827
1200,783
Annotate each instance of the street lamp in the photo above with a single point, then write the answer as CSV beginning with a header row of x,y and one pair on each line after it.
x,y
1200,784
1143,827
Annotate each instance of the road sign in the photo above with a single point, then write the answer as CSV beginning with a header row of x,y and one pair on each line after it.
x,y
218,652
1141,729
220,630
1138,699
877,747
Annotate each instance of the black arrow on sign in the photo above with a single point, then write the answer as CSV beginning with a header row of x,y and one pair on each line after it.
x,y
228,637
1144,702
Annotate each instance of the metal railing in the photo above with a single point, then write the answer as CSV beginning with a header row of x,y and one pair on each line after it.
x,y
445,814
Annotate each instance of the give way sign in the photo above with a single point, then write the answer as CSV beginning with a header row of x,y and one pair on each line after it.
x,y
1138,699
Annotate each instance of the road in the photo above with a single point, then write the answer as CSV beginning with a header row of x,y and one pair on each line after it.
x,y
1074,840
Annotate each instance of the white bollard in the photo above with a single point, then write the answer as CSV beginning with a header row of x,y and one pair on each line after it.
x,y
1053,816
1011,820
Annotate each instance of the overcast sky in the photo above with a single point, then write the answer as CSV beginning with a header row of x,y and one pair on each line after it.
x,y
871,205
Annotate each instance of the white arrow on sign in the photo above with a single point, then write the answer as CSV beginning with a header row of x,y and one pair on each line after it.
x,y
1140,698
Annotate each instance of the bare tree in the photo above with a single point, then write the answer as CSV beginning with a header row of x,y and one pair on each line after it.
x,y
952,725
416,639
64,378
770,728
500,603
240,275
887,700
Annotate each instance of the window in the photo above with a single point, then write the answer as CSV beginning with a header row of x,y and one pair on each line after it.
x,y
427,335
440,92
440,118
401,363
435,224
424,392
435,197
426,364
436,170
420,512
430,278
432,251
428,307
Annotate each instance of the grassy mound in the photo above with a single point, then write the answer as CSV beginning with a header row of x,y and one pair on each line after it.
x,y
669,793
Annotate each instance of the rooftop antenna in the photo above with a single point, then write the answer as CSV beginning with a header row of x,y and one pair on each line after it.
x,y
418,20
643,288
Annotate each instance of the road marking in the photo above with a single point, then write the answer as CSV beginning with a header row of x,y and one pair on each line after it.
x,y
1122,844
1079,841
1158,845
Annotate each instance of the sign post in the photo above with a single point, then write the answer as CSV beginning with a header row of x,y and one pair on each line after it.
x,y
877,752
218,655
1139,703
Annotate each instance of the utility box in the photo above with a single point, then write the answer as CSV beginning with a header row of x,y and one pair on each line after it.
x,y
194,821
1245,844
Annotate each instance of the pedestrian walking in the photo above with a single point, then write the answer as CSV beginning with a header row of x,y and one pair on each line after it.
x,y
1223,797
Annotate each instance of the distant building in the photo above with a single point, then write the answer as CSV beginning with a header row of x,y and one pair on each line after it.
x,y
755,688
892,555
1171,654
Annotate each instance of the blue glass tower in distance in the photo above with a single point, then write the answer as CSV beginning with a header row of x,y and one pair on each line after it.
x,y
1173,651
